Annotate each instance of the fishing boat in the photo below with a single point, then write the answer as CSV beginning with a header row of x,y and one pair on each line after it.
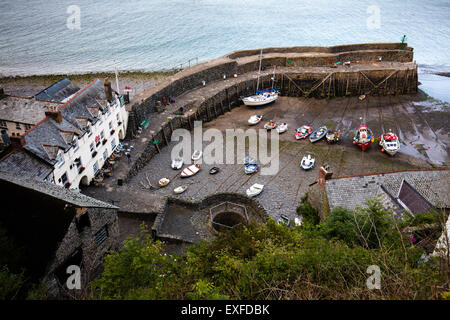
x,y
363,138
214,170
255,119
282,127
177,163
197,155
333,136
303,132
190,171
180,189
254,190
251,168
307,162
318,134
163,182
263,97
389,143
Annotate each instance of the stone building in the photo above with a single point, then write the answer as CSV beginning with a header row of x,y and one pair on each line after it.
x,y
56,228
74,139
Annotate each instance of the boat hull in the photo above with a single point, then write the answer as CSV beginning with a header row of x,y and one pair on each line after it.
x,y
363,146
258,100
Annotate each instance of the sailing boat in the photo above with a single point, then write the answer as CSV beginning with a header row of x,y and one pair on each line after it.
x,y
262,97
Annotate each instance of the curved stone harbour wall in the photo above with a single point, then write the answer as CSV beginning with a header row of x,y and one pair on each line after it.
x,y
296,77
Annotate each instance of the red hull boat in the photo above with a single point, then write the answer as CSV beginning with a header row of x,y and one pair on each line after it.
x,y
363,138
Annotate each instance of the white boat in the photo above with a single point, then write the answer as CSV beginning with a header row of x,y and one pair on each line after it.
x,y
298,221
251,168
282,127
254,190
190,171
163,182
255,119
177,163
389,143
262,97
307,162
248,160
271,124
180,189
197,155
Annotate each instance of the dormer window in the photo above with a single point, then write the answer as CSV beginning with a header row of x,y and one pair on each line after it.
x,y
59,160
89,131
75,144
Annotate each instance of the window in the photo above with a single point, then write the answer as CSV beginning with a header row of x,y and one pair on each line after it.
x,y
89,130
113,144
101,235
102,135
92,146
110,125
3,123
105,154
59,160
75,143
27,126
18,126
95,167
117,117
64,179
108,111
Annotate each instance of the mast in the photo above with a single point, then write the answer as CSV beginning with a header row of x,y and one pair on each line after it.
x,y
259,71
117,79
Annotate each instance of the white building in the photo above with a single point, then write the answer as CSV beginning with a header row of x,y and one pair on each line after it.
x,y
74,140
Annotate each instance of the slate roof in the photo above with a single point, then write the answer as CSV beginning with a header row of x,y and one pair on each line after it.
x,y
75,118
55,191
21,163
349,192
23,110
59,91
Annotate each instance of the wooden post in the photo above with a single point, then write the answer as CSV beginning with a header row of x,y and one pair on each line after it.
x,y
164,135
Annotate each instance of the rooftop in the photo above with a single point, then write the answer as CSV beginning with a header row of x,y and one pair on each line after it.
x,y
22,163
55,191
58,92
23,110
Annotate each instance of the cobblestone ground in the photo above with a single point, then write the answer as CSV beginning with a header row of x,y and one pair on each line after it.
x,y
421,125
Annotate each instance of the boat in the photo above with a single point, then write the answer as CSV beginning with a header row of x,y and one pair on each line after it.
x,y
362,97
251,168
284,220
197,155
180,189
307,162
282,127
270,125
298,222
254,190
163,182
263,97
303,132
177,163
190,171
248,160
318,134
333,136
389,143
255,119
363,138
214,170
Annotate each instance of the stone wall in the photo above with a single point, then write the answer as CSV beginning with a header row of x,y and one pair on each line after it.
x,y
92,253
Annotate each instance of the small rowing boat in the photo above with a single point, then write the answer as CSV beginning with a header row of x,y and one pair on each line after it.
x,y
251,168
214,170
197,155
271,124
307,162
282,127
318,134
163,182
177,163
255,119
254,190
190,171
180,189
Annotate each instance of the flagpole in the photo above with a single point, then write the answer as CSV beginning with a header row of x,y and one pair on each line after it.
x,y
117,79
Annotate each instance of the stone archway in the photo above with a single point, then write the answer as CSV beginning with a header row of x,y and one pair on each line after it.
x,y
84,182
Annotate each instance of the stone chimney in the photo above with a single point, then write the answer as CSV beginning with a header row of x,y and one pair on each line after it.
x,y
108,90
325,173
54,113
17,140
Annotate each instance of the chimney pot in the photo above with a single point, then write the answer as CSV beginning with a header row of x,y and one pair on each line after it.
x,y
54,113
17,141
324,174
108,89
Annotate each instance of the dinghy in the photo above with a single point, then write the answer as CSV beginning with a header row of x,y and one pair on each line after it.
x,y
180,189
190,171
270,125
303,132
254,190
333,136
389,143
363,138
214,170
282,127
307,162
197,155
318,134
163,182
255,119
177,163
251,168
